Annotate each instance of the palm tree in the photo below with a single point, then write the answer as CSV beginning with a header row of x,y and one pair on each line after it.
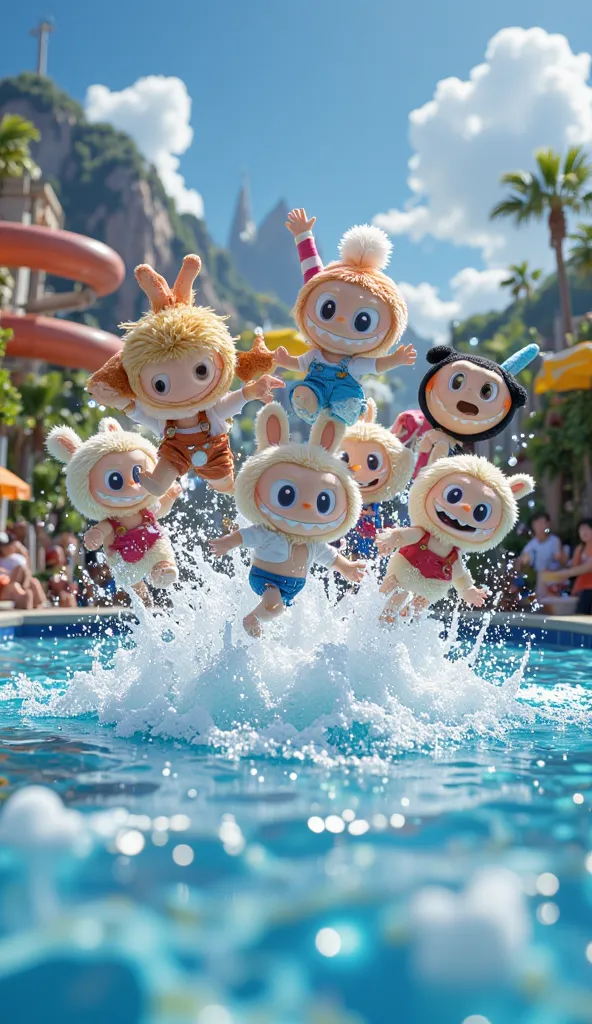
x,y
550,191
580,255
521,281
16,136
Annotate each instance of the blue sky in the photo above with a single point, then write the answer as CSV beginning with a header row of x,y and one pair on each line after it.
x,y
312,99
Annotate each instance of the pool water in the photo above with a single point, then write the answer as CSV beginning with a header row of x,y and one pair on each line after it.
x,y
338,825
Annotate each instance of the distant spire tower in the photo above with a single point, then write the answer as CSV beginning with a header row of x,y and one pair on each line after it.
x,y
42,33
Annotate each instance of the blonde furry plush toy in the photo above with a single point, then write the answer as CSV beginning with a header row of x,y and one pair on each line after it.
x,y
457,505
350,314
381,466
102,480
299,498
173,376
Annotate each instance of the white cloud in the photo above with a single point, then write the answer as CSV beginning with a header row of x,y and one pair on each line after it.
x,y
531,91
156,112
474,291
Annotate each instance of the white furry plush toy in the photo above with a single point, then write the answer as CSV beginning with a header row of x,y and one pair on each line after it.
x,y
381,467
457,505
298,497
350,314
102,480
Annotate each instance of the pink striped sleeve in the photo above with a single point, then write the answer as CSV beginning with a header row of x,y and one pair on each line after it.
x,y
310,261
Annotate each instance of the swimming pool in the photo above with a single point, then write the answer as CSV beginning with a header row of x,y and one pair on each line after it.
x,y
336,826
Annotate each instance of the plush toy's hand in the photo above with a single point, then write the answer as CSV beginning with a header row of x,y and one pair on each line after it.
x,y
104,395
387,541
475,596
298,222
431,439
405,355
93,539
222,545
353,571
263,388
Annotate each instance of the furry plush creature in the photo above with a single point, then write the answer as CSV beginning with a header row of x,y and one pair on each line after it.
x,y
173,375
299,498
350,314
457,505
102,477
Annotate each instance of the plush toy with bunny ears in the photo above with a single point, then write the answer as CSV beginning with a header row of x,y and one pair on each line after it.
x,y
298,497
350,313
173,375
102,481
459,504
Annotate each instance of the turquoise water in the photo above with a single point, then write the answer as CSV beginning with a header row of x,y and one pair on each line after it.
x,y
340,825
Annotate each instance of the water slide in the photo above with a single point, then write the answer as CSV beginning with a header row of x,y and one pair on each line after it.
x,y
76,258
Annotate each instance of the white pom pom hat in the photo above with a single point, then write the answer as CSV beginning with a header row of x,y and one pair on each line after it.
x,y
364,252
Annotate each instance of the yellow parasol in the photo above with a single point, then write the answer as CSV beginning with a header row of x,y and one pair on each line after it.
x,y
12,488
286,336
570,370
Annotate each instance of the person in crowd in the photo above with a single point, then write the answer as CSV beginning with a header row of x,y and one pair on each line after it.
x,y
544,552
580,569
62,590
14,563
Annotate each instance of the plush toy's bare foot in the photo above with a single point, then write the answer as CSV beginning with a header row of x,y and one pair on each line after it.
x,y
143,593
394,607
162,477
251,625
224,486
305,403
164,574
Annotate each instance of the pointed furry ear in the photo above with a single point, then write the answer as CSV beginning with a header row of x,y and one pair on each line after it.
x,y
108,425
369,416
521,484
154,286
62,442
271,426
327,433
182,292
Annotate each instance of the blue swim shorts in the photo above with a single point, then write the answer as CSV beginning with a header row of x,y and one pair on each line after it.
x,y
288,586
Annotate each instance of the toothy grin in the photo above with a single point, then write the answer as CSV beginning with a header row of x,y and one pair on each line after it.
x,y
339,339
455,524
371,484
460,419
121,500
297,522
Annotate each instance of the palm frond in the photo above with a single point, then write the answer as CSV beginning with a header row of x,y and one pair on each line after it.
x,y
549,163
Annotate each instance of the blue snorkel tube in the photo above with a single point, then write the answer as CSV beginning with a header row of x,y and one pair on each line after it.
x,y
520,360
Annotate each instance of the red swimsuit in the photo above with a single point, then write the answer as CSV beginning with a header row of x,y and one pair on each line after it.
x,y
431,565
133,544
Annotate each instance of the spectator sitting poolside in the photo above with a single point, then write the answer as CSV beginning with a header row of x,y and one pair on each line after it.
x,y
544,552
61,589
14,563
580,569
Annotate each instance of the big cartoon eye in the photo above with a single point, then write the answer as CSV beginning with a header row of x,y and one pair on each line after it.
x,y
345,457
457,382
136,471
326,306
453,494
114,480
325,502
374,461
204,370
283,493
365,319
489,391
161,383
481,512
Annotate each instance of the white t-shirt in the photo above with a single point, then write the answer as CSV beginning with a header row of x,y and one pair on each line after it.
x,y
270,546
10,562
359,366
543,553
218,414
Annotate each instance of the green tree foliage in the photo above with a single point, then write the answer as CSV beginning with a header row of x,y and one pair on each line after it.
x,y
521,281
16,136
10,399
554,188
562,446
580,254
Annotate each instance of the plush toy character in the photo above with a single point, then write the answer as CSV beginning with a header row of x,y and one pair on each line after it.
x,y
350,314
298,497
173,375
459,504
410,427
468,398
103,483
381,467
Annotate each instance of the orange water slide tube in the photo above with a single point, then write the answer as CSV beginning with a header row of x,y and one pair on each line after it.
x,y
76,258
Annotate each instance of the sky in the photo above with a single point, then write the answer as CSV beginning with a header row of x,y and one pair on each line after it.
x,y
401,114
